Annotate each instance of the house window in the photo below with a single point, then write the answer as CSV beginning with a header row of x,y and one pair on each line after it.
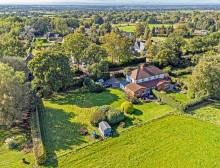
x,y
137,93
159,87
142,80
143,92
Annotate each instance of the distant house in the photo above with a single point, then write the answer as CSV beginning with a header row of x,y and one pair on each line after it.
x,y
139,47
139,82
127,34
105,129
201,32
52,37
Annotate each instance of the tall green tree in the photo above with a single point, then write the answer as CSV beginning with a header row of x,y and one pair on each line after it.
x,y
94,53
205,77
51,71
75,45
15,96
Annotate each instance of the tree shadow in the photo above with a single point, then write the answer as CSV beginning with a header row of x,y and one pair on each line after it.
x,y
137,112
60,133
85,100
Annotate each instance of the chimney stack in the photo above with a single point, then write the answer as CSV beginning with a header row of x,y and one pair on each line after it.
x,y
141,66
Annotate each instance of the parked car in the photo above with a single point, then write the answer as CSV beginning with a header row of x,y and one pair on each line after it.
x,y
106,85
101,81
84,64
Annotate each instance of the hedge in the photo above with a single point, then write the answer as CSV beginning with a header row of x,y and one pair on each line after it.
x,y
169,100
134,60
183,107
37,133
182,72
195,101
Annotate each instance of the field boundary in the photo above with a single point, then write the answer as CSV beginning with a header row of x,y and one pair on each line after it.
x,y
37,133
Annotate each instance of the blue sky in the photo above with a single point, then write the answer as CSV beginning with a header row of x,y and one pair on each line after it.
x,y
108,1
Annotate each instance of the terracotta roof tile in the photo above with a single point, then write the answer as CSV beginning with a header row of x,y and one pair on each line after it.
x,y
145,72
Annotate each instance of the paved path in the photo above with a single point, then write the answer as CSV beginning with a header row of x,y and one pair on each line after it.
x,y
114,82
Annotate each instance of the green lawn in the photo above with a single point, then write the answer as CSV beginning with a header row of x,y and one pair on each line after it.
x,y
65,114
210,112
178,96
12,158
173,141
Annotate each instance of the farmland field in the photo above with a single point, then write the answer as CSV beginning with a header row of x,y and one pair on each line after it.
x,y
173,141
131,26
65,114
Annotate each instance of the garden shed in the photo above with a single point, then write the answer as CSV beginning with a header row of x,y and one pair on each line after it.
x,y
105,129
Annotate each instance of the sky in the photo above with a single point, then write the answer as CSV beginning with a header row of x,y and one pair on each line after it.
x,y
109,1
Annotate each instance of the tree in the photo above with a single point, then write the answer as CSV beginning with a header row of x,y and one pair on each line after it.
x,y
94,54
140,29
99,69
51,71
75,45
15,96
117,47
205,77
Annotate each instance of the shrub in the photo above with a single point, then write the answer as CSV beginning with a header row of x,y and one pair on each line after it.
x,y
114,116
97,117
92,87
132,99
96,88
127,107
17,142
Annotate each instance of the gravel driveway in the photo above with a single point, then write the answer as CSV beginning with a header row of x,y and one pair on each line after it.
x,y
114,82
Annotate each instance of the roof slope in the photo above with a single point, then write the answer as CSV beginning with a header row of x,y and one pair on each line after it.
x,y
104,125
147,72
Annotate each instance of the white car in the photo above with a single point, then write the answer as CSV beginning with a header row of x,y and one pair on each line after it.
x,y
84,64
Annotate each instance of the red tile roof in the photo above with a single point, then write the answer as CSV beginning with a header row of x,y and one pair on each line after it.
x,y
134,87
145,72
144,85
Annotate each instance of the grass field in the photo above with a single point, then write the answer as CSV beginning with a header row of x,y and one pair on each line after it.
x,y
210,112
173,141
12,158
66,114
131,26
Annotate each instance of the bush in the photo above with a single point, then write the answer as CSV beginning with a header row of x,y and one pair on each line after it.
x,y
132,99
96,88
127,107
92,87
112,115
17,142
97,117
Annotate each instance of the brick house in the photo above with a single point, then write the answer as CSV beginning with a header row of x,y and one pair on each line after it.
x,y
139,82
